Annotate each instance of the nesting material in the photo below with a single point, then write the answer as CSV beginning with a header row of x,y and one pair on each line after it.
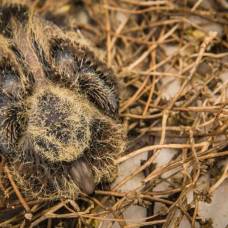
x,y
170,58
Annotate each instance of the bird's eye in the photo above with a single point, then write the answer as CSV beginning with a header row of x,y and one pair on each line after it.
x,y
9,81
64,62
78,67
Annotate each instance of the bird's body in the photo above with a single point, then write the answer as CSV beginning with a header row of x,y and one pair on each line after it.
x,y
59,128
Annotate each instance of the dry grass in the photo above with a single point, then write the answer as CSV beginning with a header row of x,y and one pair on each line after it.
x,y
194,120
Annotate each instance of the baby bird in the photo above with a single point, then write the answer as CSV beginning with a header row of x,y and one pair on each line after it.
x,y
59,126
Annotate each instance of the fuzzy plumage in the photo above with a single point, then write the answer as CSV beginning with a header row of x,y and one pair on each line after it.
x,y
59,128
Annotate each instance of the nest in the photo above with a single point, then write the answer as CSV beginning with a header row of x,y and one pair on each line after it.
x,y
172,71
